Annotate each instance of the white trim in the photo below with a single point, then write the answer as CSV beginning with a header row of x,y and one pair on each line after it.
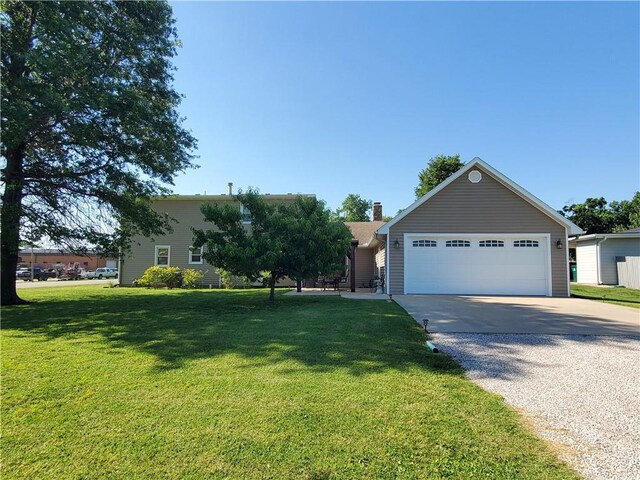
x,y
190,259
155,255
566,253
532,199
547,236
387,266
549,267
593,236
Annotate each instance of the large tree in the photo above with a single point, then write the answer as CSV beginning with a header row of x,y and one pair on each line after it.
x,y
596,215
437,171
90,129
299,240
354,208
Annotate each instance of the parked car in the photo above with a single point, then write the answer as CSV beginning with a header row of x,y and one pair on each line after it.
x,y
39,274
103,273
20,272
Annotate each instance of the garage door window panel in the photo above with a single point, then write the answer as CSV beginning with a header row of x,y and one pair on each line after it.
x,y
526,243
458,243
491,243
425,243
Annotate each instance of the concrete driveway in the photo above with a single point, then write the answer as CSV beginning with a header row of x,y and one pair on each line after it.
x,y
536,315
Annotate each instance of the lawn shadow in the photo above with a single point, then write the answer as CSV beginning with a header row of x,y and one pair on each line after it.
x,y
180,326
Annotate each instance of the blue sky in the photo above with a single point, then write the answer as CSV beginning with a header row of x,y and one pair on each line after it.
x,y
339,98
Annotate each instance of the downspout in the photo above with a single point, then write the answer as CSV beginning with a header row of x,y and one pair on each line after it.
x,y
598,265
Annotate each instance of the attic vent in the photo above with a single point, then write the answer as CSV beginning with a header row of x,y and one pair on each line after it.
x,y
474,176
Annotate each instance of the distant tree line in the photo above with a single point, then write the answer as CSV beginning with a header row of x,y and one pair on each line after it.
x,y
596,215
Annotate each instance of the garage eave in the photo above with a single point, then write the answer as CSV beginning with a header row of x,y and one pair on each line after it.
x,y
572,228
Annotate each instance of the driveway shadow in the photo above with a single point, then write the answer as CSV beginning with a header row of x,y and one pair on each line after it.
x,y
492,336
532,315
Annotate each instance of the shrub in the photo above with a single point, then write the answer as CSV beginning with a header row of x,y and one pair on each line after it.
x,y
226,278
156,277
191,277
172,277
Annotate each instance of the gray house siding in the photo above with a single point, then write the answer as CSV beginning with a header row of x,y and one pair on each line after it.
x,y
187,215
485,207
364,266
609,250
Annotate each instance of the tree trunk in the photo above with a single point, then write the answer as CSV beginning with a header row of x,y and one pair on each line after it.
x,y
298,286
12,175
10,215
272,286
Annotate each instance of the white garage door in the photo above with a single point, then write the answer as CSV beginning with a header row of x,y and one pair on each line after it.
x,y
477,265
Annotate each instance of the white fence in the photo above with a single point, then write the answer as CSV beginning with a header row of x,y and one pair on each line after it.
x,y
628,271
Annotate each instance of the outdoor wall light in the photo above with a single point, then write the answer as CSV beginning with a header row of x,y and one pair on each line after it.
x,y
396,244
559,244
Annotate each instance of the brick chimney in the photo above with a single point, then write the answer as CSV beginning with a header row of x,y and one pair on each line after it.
x,y
377,211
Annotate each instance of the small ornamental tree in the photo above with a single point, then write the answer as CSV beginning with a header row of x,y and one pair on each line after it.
x,y
317,244
438,170
298,240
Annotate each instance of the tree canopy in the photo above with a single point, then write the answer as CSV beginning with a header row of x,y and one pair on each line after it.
x,y
596,215
438,170
299,240
90,128
354,208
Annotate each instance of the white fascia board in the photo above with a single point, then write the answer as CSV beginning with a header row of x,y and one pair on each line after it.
x,y
572,228
596,236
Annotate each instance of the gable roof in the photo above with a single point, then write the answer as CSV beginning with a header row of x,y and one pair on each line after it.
x,y
364,231
572,228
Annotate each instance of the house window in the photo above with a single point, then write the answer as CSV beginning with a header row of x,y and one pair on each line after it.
x,y
458,243
246,214
195,256
491,243
163,255
425,243
525,243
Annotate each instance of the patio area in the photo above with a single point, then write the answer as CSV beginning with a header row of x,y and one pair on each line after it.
x,y
359,294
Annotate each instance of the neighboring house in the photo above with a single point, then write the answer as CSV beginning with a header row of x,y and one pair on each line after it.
x,y
478,233
49,258
370,253
176,249
596,255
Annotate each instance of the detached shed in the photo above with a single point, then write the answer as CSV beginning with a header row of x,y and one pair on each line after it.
x,y
596,255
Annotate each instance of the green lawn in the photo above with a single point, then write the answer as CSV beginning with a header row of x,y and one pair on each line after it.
x,y
628,297
132,383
